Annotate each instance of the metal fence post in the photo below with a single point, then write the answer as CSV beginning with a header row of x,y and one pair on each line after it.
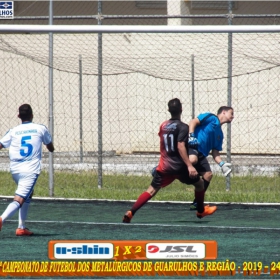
x,y
229,89
81,108
51,128
99,97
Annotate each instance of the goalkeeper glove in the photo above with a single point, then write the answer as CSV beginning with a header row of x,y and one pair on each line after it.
x,y
226,167
193,142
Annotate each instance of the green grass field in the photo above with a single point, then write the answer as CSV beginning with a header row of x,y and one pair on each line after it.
x,y
249,189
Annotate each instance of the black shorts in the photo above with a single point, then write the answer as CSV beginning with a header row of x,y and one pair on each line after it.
x,y
162,180
202,163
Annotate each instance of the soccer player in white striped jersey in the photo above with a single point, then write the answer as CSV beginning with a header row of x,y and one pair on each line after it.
x,y
25,151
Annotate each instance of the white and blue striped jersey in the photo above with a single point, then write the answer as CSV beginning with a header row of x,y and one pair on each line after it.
x,y
25,147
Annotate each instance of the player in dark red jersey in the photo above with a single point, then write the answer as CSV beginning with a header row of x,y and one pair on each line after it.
x,y
174,163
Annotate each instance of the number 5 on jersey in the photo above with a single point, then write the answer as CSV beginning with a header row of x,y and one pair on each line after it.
x,y
24,144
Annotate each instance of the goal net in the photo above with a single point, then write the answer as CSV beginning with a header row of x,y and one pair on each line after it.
x,y
112,94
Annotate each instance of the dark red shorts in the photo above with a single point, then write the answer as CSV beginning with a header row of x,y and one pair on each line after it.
x,y
162,180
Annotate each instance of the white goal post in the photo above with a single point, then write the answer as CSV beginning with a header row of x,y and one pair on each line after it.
x,y
140,28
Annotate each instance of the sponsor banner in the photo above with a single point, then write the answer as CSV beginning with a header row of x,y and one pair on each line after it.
x,y
183,250
6,9
132,249
84,250
133,258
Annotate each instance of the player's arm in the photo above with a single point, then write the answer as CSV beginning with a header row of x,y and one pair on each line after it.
x,y
226,167
184,155
193,124
216,156
193,142
50,147
5,141
47,138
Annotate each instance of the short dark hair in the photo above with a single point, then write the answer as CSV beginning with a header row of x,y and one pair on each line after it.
x,y
25,112
224,108
175,106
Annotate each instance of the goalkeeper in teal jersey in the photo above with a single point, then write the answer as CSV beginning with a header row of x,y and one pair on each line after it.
x,y
205,136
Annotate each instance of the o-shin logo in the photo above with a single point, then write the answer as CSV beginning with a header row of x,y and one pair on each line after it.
x,y
175,250
85,250
7,10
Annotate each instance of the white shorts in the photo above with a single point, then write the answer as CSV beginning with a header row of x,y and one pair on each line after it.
x,y
25,184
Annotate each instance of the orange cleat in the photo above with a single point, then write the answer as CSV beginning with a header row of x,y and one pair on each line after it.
x,y
23,232
208,210
127,217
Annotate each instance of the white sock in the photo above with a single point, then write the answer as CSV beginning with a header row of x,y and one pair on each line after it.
x,y
22,215
10,210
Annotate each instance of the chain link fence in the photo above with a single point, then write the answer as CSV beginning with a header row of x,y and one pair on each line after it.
x,y
110,124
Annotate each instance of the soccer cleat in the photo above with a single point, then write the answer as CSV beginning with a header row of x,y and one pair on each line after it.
x,y
127,217
208,210
193,206
1,223
23,231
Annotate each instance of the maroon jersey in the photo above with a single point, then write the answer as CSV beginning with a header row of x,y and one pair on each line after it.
x,y
171,132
